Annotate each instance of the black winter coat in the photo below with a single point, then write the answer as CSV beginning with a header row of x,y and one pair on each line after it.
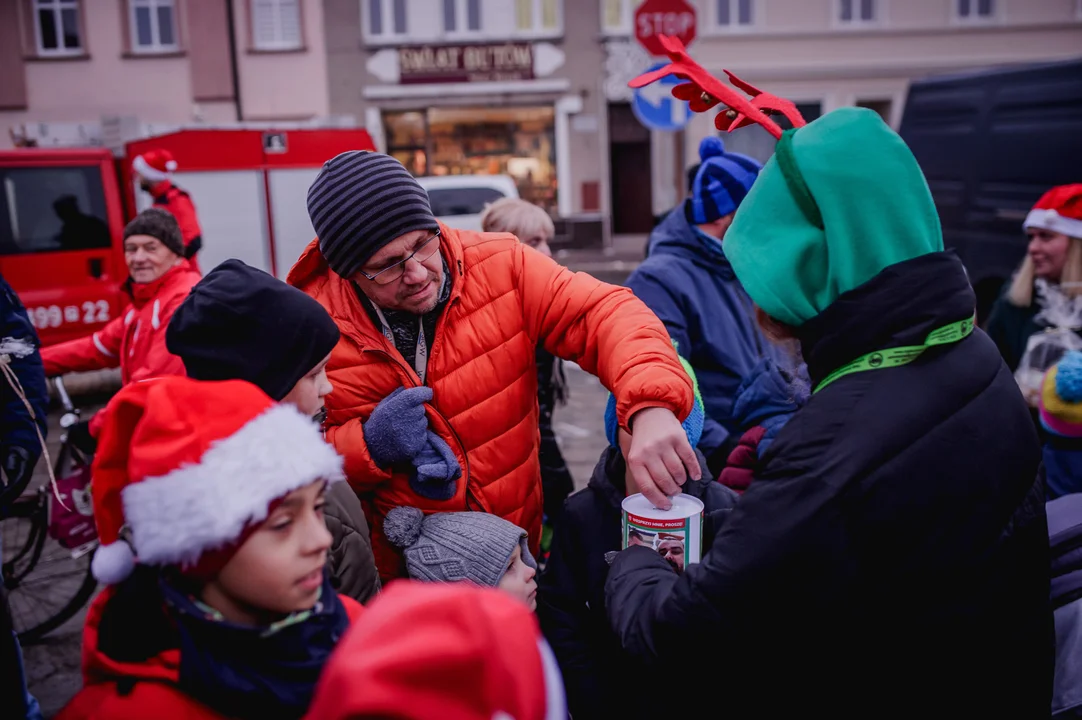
x,y
571,591
891,556
556,480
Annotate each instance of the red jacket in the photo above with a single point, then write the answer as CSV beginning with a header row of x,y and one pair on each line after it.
x,y
101,699
506,300
168,196
135,341
441,651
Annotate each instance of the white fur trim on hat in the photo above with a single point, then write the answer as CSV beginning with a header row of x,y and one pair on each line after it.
x,y
141,166
113,563
1048,219
177,517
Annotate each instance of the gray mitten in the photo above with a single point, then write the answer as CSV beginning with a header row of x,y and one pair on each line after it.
x,y
396,430
436,471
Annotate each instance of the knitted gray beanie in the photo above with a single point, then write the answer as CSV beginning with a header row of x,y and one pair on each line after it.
x,y
449,547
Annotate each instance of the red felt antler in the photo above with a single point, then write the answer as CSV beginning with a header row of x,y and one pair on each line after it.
x,y
703,91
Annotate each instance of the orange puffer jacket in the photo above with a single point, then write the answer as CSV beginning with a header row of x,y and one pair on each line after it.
x,y
505,300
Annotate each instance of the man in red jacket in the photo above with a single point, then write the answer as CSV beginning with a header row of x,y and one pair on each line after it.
x,y
155,169
135,341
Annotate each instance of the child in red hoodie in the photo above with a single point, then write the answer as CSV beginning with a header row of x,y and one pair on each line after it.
x,y
208,498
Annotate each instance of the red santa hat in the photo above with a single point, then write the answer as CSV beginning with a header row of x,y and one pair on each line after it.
x,y
156,165
442,651
1058,210
189,468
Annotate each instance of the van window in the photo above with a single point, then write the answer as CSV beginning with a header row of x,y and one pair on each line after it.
x,y
50,209
461,201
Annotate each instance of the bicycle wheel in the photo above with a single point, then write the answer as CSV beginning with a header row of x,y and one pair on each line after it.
x,y
46,586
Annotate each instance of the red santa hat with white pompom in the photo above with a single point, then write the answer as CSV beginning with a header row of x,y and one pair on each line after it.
x,y
187,470
1058,210
155,165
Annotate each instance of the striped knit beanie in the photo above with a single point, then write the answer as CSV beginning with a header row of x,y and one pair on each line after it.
x,y
722,182
361,201
1061,397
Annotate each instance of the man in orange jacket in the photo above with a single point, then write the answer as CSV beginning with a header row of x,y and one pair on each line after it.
x,y
435,399
155,169
160,279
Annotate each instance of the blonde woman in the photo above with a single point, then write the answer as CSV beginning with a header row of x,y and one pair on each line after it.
x,y
535,228
1052,268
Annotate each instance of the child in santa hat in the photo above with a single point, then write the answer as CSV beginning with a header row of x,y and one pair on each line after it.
x,y
208,497
442,652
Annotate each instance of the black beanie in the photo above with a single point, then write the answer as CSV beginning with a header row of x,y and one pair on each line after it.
x,y
239,323
359,202
158,224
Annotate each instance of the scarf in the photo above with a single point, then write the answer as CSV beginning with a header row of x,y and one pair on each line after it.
x,y
255,672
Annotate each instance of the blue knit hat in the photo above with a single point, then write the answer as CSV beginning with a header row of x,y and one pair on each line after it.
x,y
721,184
693,426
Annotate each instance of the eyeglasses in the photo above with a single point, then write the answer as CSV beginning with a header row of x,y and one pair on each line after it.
x,y
389,274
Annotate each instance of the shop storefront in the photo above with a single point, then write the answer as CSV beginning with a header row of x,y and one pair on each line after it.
x,y
515,141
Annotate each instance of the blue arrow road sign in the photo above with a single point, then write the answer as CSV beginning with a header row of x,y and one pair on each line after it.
x,y
656,108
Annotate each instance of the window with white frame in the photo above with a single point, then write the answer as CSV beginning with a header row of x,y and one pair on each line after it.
x,y
276,24
538,16
384,18
616,17
858,12
733,14
153,25
975,10
461,17
56,27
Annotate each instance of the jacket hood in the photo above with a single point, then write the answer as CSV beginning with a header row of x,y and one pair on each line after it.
x,y
767,392
608,478
676,236
841,200
451,651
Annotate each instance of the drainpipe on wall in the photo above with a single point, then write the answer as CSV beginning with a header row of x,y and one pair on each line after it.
x,y
233,60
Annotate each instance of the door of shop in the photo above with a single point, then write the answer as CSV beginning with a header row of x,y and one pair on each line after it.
x,y
629,163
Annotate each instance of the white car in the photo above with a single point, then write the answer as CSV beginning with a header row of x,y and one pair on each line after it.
x,y
457,200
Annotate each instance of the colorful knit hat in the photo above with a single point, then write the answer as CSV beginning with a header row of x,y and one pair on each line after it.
x,y
191,468
693,425
1061,397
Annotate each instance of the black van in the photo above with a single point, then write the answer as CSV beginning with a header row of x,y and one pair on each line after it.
x,y
991,143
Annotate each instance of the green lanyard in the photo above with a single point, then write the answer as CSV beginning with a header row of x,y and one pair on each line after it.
x,y
896,357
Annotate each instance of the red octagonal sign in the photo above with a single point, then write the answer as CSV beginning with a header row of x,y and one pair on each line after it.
x,y
664,17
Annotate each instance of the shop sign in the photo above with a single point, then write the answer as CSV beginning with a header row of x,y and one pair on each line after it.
x,y
465,63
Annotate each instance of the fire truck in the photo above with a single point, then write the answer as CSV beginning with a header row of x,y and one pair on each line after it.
x,y
63,211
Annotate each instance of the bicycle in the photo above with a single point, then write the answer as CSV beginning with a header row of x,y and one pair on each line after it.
x,y
48,583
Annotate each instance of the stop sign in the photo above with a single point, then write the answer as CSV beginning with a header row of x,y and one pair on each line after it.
x,y
664,17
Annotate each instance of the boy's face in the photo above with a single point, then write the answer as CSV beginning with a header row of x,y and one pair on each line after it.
x,y
519,580
279,568
307,395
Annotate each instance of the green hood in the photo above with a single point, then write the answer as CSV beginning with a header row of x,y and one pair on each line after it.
x,y
876,211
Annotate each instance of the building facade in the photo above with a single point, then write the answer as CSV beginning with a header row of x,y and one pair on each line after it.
x,y
822,54
67,64
480,86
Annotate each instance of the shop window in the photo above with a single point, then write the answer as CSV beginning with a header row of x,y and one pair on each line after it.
x,y
857,12
538,16
616,17
52,209
153,25
975,10
515,141
385,18
276,24
56,27
461,16
733,14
